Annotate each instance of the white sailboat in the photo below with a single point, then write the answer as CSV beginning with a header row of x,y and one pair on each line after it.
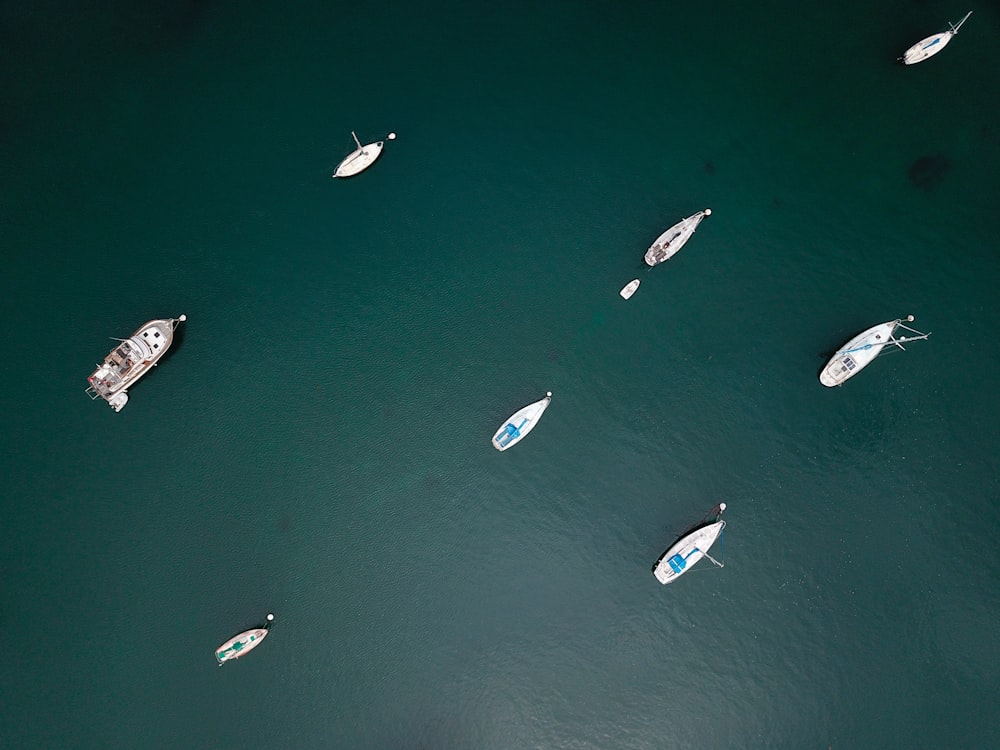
x,y
689,549
933,44
242,643
362,157
860,351
672,240
520,423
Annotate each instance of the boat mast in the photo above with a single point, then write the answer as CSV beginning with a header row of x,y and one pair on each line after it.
x,y
356,140
721,565
957,26
909,319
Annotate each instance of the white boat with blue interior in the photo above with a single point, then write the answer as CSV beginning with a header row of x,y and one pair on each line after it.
x,y
520,423
690,548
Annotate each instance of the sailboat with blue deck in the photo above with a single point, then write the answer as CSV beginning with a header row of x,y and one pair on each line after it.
x,y
689,549
520,423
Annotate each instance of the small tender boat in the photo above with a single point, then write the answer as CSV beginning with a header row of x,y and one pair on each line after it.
x,y
243,643
859,352
130,360
362,157
689,549
520,424
668,243
933,44
629,289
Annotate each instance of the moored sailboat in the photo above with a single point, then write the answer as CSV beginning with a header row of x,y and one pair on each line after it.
x,y
690,548
862,350
667,244
520,423
362,157
933,44
242,643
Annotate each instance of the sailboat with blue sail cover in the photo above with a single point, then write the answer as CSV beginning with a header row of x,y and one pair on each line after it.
x,y
862,350
520,423
687,551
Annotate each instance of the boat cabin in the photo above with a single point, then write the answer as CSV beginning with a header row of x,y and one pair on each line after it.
x,y
508,433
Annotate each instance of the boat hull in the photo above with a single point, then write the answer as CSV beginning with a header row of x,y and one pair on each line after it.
x,y
240,644
857,354
132,359
629,289
519,424
686,552
927,48
671,241
359,160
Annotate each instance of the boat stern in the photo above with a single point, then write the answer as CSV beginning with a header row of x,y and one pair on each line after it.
x,y
664,574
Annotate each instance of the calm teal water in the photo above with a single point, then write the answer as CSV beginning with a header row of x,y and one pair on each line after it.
x,y
317,442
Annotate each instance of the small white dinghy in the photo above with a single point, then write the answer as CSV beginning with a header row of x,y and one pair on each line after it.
x,y
668,243
689,549
933,44
243,643
513,430
860,351
629,289
362,157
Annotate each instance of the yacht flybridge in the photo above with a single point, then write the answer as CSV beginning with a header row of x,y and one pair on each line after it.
x,y
130,360
362,157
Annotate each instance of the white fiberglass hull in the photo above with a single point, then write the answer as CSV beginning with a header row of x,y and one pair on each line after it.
x,y
926,48
933,44
857,353
671,241
131,359
240,644
629,289
687,551
520,423
359,159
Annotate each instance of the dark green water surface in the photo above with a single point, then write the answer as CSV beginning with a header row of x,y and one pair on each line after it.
x,y
317,442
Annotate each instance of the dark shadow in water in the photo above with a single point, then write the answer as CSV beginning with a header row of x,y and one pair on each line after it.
x,y
161,24
709,166
432,483
927,172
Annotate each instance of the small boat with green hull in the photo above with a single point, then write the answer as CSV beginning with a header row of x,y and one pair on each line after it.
x,y
242,643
